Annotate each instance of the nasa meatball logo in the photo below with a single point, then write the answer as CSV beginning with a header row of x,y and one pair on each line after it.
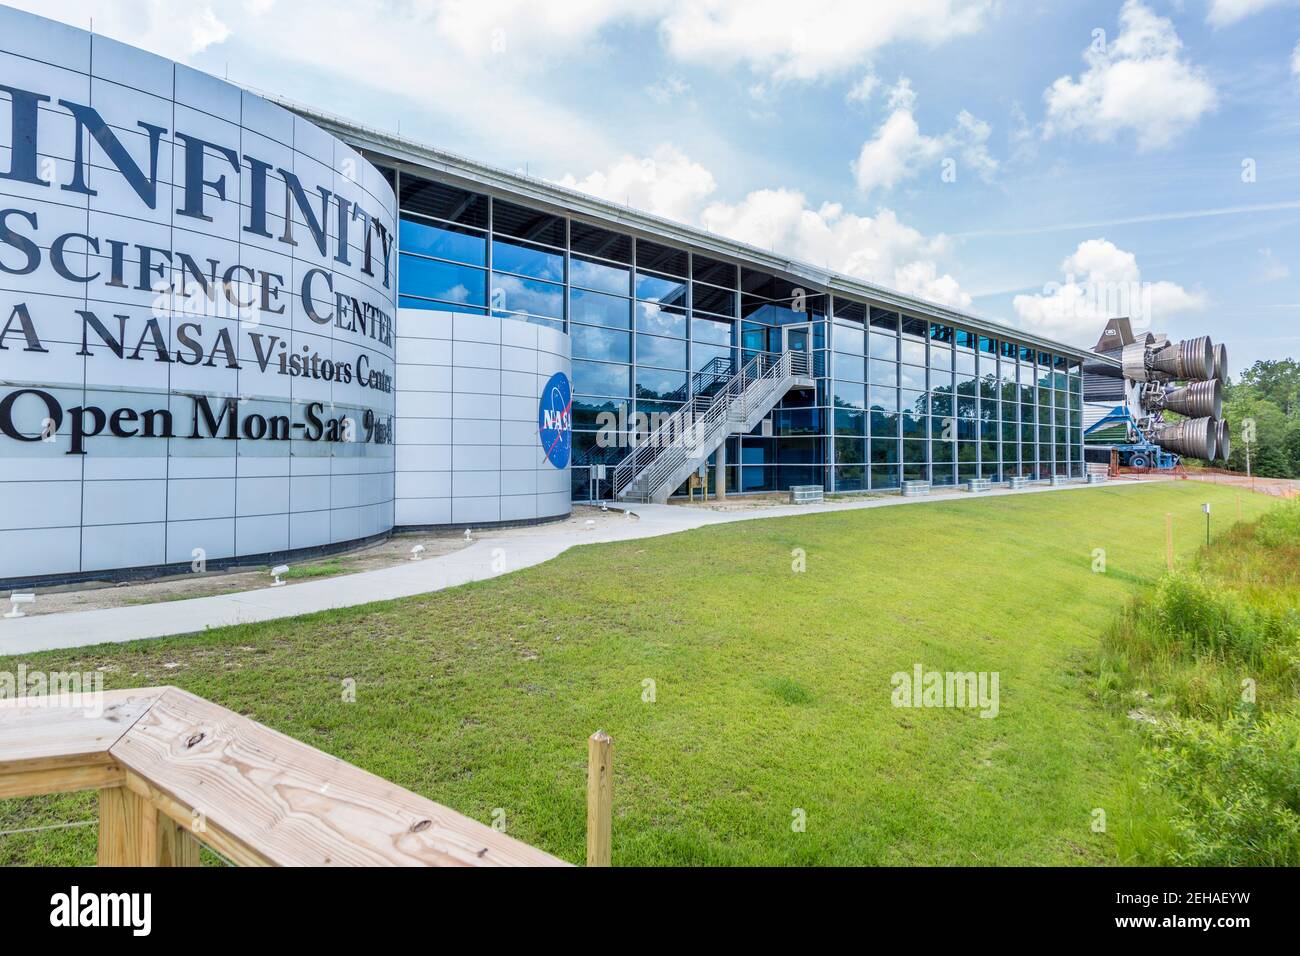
x,y
555,420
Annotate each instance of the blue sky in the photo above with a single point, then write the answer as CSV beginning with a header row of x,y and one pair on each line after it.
x,y
1039,163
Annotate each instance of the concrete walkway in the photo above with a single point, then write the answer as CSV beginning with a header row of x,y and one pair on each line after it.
x,y
494,554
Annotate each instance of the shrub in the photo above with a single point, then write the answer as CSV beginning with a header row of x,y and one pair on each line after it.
x,y
1237,789
1280,527
1197,617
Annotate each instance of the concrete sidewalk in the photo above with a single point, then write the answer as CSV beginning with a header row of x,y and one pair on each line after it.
x,y
494,554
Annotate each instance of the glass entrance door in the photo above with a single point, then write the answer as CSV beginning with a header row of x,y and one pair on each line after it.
x,y
796,337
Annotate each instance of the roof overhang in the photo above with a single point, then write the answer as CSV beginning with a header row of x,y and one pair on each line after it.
x,y
571,202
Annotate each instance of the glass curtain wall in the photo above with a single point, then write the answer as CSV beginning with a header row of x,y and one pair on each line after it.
x,y
920,400
898,397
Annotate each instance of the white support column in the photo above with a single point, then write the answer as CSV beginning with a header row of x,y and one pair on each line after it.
x,y
720,482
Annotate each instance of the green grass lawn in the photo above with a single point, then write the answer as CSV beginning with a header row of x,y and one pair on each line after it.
x,y
771,687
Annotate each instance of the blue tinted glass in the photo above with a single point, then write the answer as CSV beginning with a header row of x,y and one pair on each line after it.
x,y
850,395
852,367
596,378
651,317
527,260
884,399
660,289
884,346
513,294
445,242
597,309
707,330
913,352
848,339
605,344
883,373
407,302
442,280
911,377
656,383
599,275
702,355
653,350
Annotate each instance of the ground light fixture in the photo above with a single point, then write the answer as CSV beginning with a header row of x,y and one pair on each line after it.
x,y
16,600
278,570
467,535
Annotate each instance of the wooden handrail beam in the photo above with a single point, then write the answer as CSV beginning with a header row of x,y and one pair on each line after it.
x,y
162,757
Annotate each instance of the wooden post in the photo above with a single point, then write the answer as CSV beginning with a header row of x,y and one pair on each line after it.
x,y
176,844
128,829
1169,541
600,798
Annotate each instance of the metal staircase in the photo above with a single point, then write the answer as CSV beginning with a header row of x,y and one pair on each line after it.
x,y
726,402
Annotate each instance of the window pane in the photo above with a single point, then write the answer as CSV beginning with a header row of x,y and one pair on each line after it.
x,y
702,355
597,378
659,384
512,220
653,350
850,395
848,339
407,302
883,346
707,330
884,319
651,255
513,294
852,367
527,260
714,271
445,242
442,280
596,309
883,373
605,344
660,289
428,198
600,242
599,275
717,301
587,412
651,317
913,352
884,399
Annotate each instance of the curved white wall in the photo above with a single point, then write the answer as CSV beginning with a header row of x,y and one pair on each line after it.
x,y
468,451
79,233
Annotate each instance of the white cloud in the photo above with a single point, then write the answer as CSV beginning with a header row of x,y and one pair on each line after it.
x,y
668,89
860,92
1272,269
176,32
1102,282
667,183
812,39
878,248
899,150
1224,13
1295,60
1140,82
206,30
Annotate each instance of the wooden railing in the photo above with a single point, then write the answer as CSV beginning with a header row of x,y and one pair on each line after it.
x,y
174,770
